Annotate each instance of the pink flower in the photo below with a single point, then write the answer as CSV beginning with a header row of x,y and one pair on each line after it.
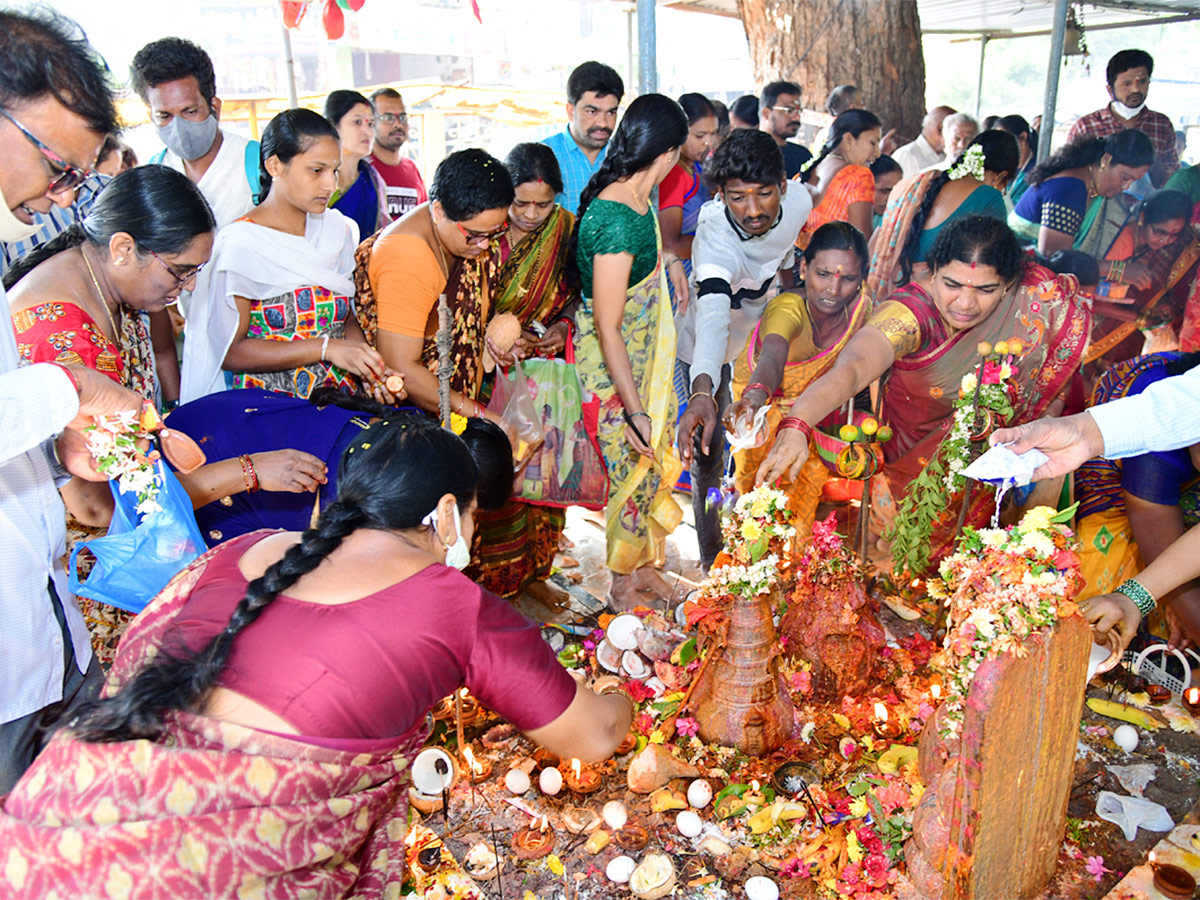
x,y
687,726
876,867
1096,868
801,682
924,711
991,373
643,724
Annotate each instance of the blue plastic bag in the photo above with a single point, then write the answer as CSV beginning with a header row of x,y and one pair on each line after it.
x,y
136,559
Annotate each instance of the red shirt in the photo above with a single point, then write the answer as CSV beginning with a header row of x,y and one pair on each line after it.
x,y
373,667
677,188
1156,126
405,187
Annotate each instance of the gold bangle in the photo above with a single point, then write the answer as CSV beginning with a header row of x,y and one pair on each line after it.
x,y
701,394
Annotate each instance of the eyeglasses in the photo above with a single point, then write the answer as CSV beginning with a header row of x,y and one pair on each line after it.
x,y
181,278
68,177
797,108
392,118
481,237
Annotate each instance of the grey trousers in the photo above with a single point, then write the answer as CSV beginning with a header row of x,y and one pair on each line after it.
x,y
21,740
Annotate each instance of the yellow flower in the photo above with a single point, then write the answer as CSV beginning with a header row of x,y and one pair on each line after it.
x,y
657,737
1037,518
859,810
751,530
854,849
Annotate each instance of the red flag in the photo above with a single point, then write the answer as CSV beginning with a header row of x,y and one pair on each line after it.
x,y
475,9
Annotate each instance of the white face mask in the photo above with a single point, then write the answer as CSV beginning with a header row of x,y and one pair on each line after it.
x,y
1126,112
13,229
458,554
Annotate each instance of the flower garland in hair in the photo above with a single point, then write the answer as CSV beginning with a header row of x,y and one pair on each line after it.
x,y
985,401
970,163
113,442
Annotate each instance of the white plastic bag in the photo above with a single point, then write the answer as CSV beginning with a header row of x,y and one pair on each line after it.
x,y
1131,813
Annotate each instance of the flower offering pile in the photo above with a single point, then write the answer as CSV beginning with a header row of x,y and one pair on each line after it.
x,y
114,444
1003,585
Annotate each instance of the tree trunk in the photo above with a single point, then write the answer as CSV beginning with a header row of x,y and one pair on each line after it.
x,y
819,44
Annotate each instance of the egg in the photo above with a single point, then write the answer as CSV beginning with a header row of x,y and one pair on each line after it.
x,y
550,781
517,781
689,824
699,793
620,869
1126,737
760,887
614,815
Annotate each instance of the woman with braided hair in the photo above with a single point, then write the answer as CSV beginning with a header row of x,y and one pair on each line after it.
x,y
258,725
921,206
625,345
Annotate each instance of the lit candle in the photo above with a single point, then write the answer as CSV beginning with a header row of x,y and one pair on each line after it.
x,y
935,691
535,840
478,770
582,779
883,727
1172,881
1191,700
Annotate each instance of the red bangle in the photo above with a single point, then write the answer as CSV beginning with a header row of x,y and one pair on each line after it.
x,y
248,473
757,385
797,423
70,375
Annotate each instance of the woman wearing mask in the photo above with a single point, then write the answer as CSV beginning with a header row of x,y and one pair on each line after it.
x,y
274,309
625,349
361,194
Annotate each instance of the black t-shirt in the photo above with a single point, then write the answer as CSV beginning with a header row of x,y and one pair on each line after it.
x,y
794,158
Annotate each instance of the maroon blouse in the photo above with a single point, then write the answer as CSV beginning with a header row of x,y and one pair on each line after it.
x,y
371,668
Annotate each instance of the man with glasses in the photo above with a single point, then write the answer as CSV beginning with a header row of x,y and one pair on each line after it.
x,y
175,79
780,118
1129,74
56,107
594,92
405,187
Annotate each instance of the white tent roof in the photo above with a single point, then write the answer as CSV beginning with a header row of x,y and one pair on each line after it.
x,y
1002,17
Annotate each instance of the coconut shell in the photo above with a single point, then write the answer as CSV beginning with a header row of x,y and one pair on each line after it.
x,y
503,331
654,767
425,804
654,878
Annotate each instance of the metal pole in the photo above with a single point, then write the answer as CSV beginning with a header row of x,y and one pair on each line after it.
x,y
289,69
1057,38
647,48
629,42
983,42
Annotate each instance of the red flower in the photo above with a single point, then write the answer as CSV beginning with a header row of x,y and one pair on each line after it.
x,y
643,724
638,691
875,866
1065,559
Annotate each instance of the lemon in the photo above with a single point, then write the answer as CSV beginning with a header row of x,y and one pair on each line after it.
x,y
869,426
1001,348
983,348
848,433
885,433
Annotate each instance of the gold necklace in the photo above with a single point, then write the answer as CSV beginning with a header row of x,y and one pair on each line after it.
x,y
103,299
437,244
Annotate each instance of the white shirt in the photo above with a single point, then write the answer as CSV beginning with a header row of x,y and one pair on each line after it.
x,y
224,184
36,402
916,156
1165,416
712,332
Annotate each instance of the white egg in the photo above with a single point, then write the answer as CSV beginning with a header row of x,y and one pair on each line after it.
x,y
614,815
699,793
620,869
760,887
550,781
689,824
517,781
1126,737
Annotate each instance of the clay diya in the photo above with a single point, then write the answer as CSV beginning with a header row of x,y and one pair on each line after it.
x,y
498,736
793,777
1172,881
582,779
1158,694
626,745
1191,700
545,759
478,770
535,840
632,837
885,728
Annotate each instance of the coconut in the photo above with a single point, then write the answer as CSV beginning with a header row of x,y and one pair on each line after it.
x,y
620,869
481,863
503,331
623,631
634,666
433,770
654,645
579,819
608,656
425,804
656,684
654,878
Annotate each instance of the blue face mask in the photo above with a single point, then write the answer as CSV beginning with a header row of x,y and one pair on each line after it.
x,y
458,554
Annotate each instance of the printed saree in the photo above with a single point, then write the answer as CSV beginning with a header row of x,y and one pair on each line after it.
x,y
517,543
210,809
892,234
641,511
805,492
1053,320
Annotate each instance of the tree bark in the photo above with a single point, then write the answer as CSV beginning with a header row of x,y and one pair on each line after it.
x,y
819,44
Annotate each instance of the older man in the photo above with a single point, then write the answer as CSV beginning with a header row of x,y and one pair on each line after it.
x,y
927,150
405,186
55,109
1128,74
958,130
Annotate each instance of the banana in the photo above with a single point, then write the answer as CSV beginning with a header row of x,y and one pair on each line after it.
x,y
1120,711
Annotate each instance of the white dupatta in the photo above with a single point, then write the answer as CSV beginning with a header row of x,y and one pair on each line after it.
x,y
258,263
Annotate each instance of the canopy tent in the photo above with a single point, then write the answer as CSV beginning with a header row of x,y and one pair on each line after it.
x,y
989,20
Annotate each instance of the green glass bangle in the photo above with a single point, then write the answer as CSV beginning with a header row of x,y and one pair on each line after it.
x,y
1141,597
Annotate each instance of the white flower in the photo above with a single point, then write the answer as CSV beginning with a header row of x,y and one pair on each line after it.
x,y
968,383
984,623
1038,543
993,537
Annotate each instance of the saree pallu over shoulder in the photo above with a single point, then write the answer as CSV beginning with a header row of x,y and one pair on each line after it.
x,y
1052,319
641,510
210,809
892,234
529,281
